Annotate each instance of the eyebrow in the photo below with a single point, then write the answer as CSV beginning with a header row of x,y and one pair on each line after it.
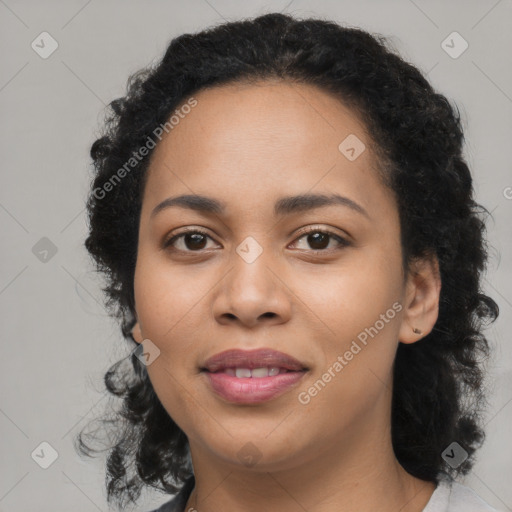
x,y
283,206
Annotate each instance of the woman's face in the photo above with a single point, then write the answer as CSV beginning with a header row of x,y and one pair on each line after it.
x,y
256,278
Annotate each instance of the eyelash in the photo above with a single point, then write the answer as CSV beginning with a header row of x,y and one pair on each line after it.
x,y
341,241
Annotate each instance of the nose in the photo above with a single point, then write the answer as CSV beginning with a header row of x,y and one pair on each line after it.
x,y
252,294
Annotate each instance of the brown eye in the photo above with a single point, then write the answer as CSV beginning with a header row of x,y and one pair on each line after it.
x,y
188,241
194,241
318,240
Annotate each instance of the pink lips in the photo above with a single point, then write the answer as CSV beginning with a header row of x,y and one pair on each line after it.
x,y
251,390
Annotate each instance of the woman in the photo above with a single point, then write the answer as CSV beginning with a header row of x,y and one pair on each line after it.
x,y
288,229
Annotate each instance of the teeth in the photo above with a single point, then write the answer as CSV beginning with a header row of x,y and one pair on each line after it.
x,y
244,373
259,372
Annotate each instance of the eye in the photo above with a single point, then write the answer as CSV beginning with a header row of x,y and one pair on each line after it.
x,y
192,240
319,239
195,240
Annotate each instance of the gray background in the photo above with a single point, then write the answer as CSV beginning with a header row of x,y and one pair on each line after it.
x,y
57,340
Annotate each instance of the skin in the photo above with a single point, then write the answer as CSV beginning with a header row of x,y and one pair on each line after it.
x,y
248,145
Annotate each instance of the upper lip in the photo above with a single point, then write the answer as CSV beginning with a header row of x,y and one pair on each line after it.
x,y
259,358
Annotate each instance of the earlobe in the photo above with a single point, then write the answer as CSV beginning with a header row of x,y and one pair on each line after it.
x,y
421,308
137,333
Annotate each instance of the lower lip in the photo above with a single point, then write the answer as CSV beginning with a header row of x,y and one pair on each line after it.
x,y
252,390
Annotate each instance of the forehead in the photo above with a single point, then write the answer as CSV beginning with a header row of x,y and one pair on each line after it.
x,y
259,119
247,140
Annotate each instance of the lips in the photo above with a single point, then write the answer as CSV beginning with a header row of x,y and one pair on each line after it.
x,y
252,377
251,360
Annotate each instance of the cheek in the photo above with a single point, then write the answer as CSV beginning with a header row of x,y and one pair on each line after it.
x,y
167,298
165,305
357,312
358,349
347,298
168,310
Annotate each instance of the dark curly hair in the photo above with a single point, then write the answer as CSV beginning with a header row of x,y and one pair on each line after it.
x,y
438,392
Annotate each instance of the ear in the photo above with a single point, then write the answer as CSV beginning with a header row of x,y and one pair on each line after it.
x,y
421,307
137,333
